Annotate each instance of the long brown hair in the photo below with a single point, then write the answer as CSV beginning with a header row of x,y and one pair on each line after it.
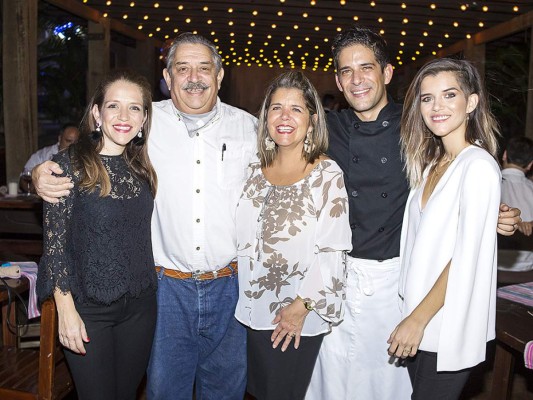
x,y
85,153
419,146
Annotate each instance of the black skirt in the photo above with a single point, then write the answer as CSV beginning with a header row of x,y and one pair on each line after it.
x,y
277,375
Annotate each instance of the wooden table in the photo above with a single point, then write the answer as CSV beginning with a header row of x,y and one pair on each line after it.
x,y
9,309
21,221
514,328
21,214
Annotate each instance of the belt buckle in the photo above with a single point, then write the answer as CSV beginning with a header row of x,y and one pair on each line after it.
x,y
196,274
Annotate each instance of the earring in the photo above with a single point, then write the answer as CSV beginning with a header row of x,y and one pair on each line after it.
x,y
140,134
308,145
269,144
96,135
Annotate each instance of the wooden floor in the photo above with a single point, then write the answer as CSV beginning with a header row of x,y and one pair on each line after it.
x,y
480,382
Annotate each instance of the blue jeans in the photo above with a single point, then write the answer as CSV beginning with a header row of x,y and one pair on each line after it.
x,y
197,339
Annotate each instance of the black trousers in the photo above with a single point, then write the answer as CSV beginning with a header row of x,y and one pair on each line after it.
x,y
117,355
430,384
277,375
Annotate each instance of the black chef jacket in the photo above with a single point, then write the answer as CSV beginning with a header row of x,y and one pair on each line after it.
x,y
369,155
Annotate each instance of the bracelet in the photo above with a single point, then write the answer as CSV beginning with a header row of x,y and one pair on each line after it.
x,y
308,304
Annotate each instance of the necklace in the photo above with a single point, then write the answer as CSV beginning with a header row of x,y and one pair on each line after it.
x,y
435,175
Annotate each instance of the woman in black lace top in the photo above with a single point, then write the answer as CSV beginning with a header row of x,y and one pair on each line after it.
x,y
97,261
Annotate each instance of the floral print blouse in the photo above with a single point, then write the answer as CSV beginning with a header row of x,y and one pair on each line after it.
x,y
292,241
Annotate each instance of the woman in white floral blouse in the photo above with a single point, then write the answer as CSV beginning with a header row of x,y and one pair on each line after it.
x,y
293,233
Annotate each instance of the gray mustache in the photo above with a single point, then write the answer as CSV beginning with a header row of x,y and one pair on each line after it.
x,y
195,86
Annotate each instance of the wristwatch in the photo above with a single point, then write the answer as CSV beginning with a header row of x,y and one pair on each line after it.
x,y
308,303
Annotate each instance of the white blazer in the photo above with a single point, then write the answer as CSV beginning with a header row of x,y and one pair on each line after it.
x,y
458,223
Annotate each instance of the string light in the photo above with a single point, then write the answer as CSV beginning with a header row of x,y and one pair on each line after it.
x,y
298,30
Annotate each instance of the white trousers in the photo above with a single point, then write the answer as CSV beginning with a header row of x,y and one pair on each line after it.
x,y
353,362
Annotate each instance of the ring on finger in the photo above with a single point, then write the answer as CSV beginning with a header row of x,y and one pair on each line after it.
x,y
292,334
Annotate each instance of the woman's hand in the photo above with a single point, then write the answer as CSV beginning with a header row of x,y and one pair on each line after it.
x,y
406,337
71,329
290,321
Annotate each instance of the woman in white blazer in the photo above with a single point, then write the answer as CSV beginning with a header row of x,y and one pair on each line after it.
x,y
448,247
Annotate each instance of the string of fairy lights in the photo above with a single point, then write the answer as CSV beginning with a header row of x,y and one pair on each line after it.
x,y
298,33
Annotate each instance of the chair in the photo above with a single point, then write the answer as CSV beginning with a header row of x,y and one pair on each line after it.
x,y
40,374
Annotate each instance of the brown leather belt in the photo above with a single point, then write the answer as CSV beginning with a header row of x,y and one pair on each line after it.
x,y
230,269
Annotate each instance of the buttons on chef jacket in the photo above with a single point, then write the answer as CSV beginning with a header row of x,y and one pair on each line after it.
x,y
384,160
355,159
385,124
381,229
384,195
356,125
355,193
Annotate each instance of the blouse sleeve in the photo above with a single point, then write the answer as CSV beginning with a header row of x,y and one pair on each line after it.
x,y
469,304
324,282
54,267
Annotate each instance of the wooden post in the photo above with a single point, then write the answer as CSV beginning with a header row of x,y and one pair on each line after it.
x,y
529,112
20,83
99,44
143,61
476,54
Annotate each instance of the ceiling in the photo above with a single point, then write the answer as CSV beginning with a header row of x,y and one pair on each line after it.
x,y
299,32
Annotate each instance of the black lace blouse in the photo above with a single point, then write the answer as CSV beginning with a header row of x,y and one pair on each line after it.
x,y
99,248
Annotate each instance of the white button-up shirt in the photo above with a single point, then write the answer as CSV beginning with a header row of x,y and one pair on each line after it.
x,y
517,191
40,156
200,180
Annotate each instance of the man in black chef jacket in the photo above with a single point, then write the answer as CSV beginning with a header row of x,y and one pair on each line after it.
x,y
365,141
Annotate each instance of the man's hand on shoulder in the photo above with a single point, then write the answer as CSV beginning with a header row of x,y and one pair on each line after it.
x,y
49,186
508,220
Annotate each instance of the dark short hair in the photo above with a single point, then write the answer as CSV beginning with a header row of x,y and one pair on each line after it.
x,y
68,125
365,37
519,151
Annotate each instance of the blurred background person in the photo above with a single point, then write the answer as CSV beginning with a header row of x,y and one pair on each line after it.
x,y
292,237
329,103
68,135
97,262
517,189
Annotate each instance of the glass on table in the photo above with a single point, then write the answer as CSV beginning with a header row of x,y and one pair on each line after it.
x,y
25,183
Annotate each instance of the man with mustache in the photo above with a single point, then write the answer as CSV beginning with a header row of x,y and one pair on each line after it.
x,y
200,149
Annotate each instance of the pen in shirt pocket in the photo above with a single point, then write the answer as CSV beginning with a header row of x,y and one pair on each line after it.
x,y
223,150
